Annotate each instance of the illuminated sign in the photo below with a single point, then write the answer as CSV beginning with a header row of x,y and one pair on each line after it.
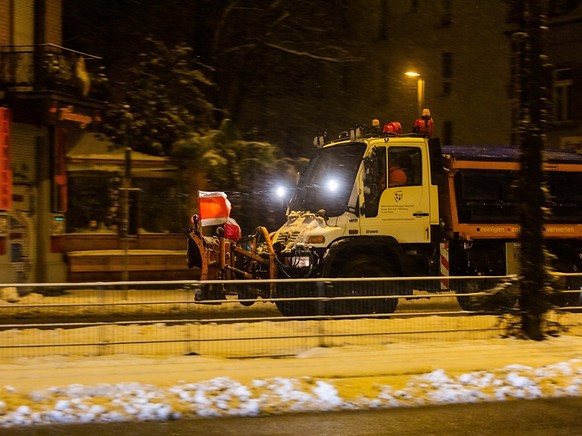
x,y
70,113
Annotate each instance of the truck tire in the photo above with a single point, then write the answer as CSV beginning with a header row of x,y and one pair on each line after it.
x,y
361,267
297,290
470,303
210,292
247,294
501,301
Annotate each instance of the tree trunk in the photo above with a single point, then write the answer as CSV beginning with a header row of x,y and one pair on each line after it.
x,y
532,92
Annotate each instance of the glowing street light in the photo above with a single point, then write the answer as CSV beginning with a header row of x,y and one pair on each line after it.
x,y
420,89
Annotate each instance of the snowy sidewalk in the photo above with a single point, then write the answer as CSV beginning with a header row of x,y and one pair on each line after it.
x,y
118,388
392,360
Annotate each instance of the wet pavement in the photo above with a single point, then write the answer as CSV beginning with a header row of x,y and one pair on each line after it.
x,y
556,417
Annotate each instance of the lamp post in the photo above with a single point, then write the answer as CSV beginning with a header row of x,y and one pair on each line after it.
x,y
420,89
125,199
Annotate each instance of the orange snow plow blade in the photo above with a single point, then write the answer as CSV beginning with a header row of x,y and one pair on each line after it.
x,y
220,258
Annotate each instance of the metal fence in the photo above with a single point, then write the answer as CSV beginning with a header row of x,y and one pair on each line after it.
x,y
165,318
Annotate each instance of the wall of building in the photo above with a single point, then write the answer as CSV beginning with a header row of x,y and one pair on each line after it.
x,y
563,44
400,38
31,253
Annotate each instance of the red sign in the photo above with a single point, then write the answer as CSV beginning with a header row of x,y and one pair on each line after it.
x,y
5,167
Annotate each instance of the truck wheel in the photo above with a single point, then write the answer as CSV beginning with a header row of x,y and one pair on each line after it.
x,y
358,268
503,300
210,293
247,294
469,303
297,308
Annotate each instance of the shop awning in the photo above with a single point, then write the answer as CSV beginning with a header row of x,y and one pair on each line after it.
x,y
91,152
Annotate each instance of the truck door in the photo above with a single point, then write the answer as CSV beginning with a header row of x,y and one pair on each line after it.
x,y
403,209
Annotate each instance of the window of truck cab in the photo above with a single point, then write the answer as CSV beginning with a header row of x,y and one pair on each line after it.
x,y
409,160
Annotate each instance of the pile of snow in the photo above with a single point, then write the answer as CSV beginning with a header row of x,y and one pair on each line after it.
x,y
9,294
224,396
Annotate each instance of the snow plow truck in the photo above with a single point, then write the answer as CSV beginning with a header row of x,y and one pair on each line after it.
x,y
379,203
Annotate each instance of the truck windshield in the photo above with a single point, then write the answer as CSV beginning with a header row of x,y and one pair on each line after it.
x,y
328,180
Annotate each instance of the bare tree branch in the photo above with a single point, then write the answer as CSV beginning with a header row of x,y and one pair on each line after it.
x,y
311,55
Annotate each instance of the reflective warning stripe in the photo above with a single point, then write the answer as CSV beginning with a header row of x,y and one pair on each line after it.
x,y
444,264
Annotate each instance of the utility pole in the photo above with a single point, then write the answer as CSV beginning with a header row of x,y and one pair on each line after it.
x,y
532,84
125,200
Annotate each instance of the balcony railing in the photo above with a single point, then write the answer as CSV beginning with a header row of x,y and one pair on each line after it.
x,y
49,67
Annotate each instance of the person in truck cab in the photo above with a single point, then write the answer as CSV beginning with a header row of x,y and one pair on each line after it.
x,y
397,176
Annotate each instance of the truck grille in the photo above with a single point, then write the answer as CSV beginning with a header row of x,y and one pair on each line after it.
x,y
287,238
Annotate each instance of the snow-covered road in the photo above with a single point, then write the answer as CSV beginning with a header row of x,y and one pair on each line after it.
x,y
62,389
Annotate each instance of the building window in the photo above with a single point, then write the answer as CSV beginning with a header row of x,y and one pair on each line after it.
x,y
447,72
383,25
447,65
447,15
561,95
448,133
447,87
413,6
560,7
383,74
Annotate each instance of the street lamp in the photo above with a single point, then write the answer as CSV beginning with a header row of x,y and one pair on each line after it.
x,y
420,89
125,200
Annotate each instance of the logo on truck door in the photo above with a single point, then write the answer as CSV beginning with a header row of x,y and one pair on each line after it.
x,y
398,195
